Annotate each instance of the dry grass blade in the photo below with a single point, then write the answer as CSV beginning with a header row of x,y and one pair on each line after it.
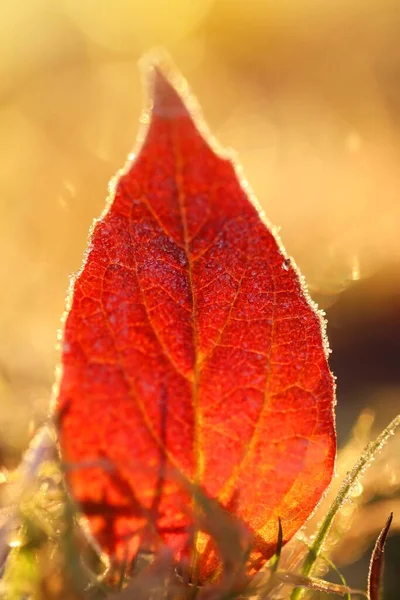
x,y
312,583
377,563
156,582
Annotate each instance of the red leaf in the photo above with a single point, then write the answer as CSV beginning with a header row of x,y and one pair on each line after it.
x,y
191,349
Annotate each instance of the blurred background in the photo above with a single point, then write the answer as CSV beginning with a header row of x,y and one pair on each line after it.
x,y
307,93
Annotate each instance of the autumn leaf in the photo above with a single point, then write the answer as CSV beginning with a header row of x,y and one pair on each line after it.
x,y
191,354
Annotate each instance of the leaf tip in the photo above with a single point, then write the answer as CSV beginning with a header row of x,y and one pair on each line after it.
x,y
168,90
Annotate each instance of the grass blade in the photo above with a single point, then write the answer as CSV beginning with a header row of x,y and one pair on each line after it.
x,y
369,453
274,561
319,585
377,563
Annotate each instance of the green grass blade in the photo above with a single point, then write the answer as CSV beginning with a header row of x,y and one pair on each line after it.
x,y
369,453
274,561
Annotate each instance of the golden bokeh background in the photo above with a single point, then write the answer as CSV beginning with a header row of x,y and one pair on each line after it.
x,y
307,93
